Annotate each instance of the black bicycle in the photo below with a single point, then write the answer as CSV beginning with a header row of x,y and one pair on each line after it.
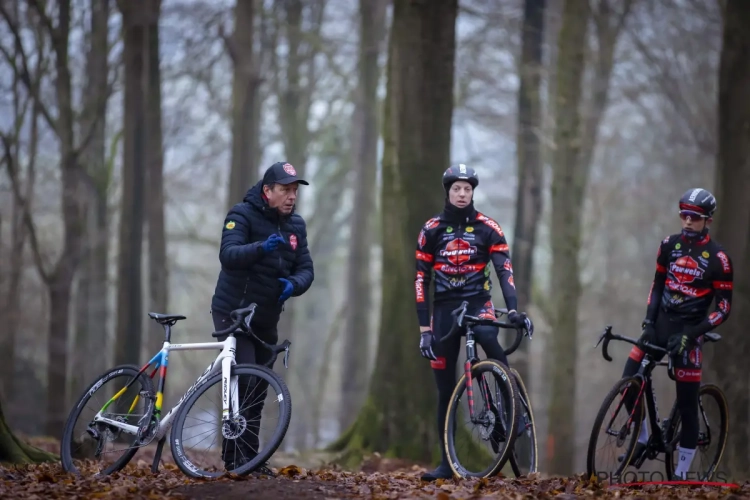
x,y
664,435
509,407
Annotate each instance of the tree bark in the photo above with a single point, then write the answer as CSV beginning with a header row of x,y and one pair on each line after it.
x,y
529,155
399,414
245,102
129,288
15,451
568,190
357,331
726,360
91,306
158,268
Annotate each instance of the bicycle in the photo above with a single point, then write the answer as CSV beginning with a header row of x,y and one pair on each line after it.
x,y
138,430
664,435
492,419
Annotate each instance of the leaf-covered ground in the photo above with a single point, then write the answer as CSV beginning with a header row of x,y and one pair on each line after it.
x,y
378,479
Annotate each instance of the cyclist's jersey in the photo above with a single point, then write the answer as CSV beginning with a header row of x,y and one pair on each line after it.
x,y
689,275
459,253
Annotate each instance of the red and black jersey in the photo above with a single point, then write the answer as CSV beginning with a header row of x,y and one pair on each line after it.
x,y
458,254
690,274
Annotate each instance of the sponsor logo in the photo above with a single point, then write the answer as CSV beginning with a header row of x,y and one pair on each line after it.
x,y
438,364
289,169
687,290
724,262
422,239
432,223
494,225
714,318
470,229
457,281
230,225
678,246
705,254
686,270
724,306
449,229
508,266
511,282
695,357
419,286
487,285
293,241
458,252
694,194
448,269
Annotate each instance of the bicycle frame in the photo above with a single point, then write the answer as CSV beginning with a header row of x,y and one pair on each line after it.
x,y
223,362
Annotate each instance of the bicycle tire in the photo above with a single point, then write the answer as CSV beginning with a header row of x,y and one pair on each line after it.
x,y
674,419
524,394
65,449
591,471
511,388
274,380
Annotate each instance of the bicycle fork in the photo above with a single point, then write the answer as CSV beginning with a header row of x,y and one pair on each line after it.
x,y
229,391
483,387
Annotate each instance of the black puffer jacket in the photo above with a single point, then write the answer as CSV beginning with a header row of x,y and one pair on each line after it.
x,y
248,274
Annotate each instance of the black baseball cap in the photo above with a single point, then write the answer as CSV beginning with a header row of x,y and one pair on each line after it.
x,y
282,172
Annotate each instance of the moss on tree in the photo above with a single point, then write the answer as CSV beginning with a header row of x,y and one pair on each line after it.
x,y
15,451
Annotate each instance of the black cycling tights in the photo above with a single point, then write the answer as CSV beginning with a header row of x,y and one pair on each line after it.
x,y
687,370
447,353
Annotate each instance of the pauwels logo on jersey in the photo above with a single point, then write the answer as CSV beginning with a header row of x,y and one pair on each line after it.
x,y
686,270
458,251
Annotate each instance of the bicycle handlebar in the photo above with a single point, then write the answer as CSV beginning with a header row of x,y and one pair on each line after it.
x,y
608,336
242,318
463,318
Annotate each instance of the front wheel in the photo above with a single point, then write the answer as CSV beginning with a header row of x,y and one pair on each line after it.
x,y
617,425
243,444
713,428
495,407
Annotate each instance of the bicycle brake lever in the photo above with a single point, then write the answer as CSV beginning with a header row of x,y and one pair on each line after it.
x,y
286,357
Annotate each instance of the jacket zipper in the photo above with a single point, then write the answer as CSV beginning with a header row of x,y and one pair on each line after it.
x,y
278,226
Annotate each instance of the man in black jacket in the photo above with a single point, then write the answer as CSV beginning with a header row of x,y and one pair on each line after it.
x,y
264,259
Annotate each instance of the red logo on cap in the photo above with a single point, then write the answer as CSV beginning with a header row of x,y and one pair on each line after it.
x,y
293,238
289,169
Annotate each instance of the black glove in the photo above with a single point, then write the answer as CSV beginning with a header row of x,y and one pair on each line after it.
x,y
677,344
648,333
521,321
425,345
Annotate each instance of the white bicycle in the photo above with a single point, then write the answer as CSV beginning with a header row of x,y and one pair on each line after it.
x,y
131,413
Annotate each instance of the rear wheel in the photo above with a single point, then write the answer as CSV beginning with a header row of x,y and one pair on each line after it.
x,y
98,448
482,451
615,425
713,428
523,457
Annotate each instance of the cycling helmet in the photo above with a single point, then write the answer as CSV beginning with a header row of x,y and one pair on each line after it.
x,y
460,172
698,201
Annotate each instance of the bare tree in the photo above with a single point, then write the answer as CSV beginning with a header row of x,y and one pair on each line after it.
x,y
356,340
727,360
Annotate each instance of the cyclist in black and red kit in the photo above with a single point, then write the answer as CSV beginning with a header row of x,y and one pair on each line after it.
x,y
457,246
691,271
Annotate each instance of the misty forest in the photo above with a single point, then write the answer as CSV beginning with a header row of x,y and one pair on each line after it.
x,y
128,129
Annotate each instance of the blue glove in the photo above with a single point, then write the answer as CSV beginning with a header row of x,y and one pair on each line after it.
x,y
272,242
288,289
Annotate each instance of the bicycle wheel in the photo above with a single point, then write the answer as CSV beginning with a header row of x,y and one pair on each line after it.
x,y
495,413
523,457
81,447
234,434
625,433
711,417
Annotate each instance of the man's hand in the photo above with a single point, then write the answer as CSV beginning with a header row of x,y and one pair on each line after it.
x,y
272,242
648,333
425,344
287,291
521,321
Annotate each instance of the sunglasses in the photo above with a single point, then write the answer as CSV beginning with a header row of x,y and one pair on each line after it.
x,y
685,214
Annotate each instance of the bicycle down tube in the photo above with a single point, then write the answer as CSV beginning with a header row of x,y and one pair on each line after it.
x,y
223,361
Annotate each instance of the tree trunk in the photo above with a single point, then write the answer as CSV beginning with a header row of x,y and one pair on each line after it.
x,y
15,451
129,287
91,298
398,417
726,359
529,154
357,331
568,191
245,102
157,241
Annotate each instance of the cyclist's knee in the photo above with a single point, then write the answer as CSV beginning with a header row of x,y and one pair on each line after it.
x,y
631,367
486,336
